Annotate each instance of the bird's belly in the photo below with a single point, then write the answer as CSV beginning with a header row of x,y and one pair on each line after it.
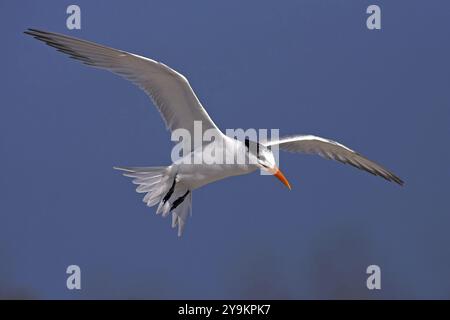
x,y
197,175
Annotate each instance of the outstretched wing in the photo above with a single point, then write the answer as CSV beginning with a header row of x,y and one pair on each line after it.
x,y
169,90
332,150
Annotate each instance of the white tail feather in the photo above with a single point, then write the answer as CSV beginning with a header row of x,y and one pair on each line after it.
x,y
160,186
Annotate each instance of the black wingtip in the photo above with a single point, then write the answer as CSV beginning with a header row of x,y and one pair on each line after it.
x,y
32,32
29,31
397,180
35,32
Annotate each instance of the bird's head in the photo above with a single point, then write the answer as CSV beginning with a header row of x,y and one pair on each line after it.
x,y
265,160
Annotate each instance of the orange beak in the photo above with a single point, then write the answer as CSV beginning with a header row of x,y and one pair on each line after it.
x,y
282,178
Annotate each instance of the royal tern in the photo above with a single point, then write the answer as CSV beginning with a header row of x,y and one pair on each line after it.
x,y
171,186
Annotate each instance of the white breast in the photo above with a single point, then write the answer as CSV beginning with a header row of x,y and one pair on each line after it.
x,y
215,161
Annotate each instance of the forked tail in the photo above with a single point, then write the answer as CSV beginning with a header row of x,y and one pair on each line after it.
x,y
160,185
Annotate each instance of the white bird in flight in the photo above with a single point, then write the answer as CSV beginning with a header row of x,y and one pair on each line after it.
x,y
171,186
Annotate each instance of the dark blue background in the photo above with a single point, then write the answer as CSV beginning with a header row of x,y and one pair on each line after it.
x,y
301,66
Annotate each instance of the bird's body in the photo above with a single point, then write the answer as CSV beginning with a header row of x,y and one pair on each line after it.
x,y
203,166
171,186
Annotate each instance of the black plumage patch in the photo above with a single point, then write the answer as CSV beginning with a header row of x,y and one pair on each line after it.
x,y
170,192
177,202
251,146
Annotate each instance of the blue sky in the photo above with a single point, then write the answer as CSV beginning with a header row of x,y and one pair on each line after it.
x,y
300,66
